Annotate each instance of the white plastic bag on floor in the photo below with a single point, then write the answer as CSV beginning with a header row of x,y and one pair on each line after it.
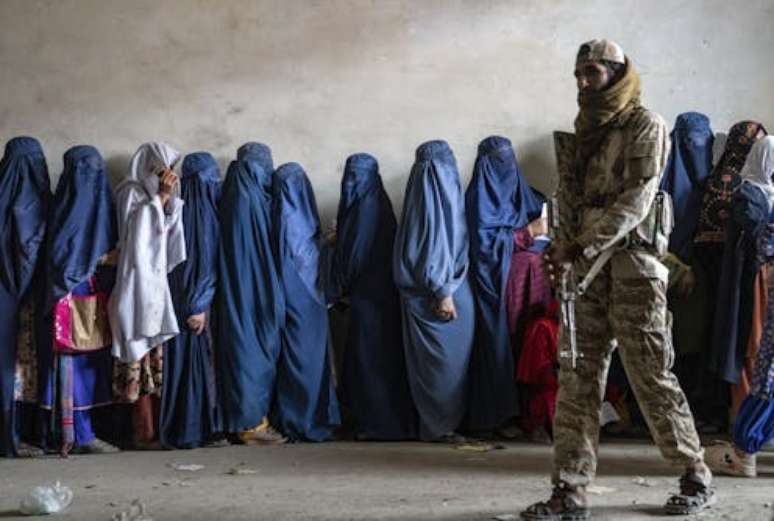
x,y
46,499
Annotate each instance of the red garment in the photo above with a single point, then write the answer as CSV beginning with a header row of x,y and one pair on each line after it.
x,y
145,418
537,370
528,292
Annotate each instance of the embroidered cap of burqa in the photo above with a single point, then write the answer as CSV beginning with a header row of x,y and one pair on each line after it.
x,y
306,404
688,167
430,262
250,300
375,383
497,202
188,405
24,199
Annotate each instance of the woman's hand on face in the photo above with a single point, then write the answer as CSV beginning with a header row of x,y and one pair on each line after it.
x,y
445,308
167,181
196,323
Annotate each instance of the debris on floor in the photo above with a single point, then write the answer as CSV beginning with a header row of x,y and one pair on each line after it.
x,y
186,467
46,499
241,470
504,517
639,480
478,446
599,490
136,512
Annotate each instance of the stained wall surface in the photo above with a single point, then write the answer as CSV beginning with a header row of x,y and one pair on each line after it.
x,y
320,79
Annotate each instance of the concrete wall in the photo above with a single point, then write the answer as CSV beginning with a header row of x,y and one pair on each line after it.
x,y
318,80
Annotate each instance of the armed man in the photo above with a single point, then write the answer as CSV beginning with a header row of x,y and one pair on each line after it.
x,y
614,224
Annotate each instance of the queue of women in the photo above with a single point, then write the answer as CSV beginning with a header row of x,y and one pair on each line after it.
x,y
195,311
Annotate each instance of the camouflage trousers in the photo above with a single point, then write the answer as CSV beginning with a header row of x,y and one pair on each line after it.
x,y
630,313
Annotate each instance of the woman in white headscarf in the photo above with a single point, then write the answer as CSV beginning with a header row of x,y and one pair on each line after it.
x,y
759,166
142,315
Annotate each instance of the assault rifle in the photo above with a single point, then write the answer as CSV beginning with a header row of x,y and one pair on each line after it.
x,y
569,288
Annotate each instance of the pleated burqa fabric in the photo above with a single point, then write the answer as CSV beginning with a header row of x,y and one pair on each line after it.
x,y
688,168
375,383
250,299
258,152
306,405
82,228
188,415
24,200
497,202
430,263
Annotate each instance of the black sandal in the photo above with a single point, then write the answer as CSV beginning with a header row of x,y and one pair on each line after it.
x,y
692,499
567,503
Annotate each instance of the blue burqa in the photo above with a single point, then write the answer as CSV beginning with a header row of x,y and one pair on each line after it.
x,y
259,153
83,221
375,384
430,262
250,300
306,405
188,414
497,202
24,199
82,228
688,167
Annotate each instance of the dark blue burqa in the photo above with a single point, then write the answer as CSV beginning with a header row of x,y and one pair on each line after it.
x,y
306,405
188,414
24,199
257,152
375,384
83,221
430,262
82,228
250,300
497,202
688,167
736,288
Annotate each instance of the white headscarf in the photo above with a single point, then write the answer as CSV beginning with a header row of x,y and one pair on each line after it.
x,y
718,147
759,167
151,244
146,163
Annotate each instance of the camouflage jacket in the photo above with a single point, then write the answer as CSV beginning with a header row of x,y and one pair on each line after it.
x,y
605,201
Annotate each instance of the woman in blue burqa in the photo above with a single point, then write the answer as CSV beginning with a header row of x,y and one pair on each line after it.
x,y
687,170
430,266
250,299
375,384
497,202
306,404
188,399
77,374
24,199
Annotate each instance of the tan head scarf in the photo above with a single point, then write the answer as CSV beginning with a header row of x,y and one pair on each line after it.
x,y
599,109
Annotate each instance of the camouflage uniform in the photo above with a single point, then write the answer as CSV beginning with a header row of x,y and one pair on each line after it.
x,y
626,304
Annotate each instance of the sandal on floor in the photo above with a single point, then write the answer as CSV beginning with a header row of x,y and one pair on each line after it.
x,y
25,450
567,503
692,499
96,446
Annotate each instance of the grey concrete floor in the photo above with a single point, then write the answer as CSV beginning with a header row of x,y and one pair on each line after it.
x,y
360,481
